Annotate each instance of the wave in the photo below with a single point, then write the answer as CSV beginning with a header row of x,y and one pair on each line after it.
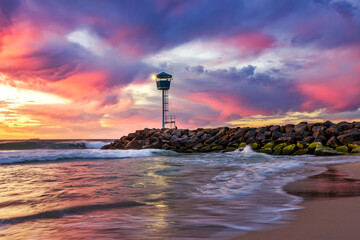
x,y
51,144
59,213
9,157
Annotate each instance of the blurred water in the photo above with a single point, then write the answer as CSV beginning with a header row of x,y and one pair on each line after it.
x,y
146,194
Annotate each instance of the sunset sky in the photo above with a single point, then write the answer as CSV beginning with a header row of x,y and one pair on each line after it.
x,y
82,68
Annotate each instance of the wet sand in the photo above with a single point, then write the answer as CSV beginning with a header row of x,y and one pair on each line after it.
x,y
331,207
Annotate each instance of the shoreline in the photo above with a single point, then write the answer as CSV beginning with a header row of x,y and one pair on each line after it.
x,y
331,207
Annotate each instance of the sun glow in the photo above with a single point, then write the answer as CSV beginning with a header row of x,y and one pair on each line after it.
x,y
25,96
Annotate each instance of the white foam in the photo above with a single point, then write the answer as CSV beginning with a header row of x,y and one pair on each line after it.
x,y
95,145
55,154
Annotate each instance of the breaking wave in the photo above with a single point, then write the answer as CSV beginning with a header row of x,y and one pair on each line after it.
x,y
52,144
7,157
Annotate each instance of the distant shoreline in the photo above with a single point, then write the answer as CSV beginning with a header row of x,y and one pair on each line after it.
x,y
325,138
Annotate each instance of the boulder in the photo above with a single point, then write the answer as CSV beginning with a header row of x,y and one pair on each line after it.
x,y
254,145
276,135
134,144
278,148
301,151
288,128
199,134
285,139
313,146
217,147
326,151
250,134
320,138
261,130
328,123
349,138
355,150
301,127
275,128
268,134
309,139
332,131
289,149
242,145
343,149
266,150
333,142
230,149
301,144
260,137
269,145
205,149
342,126
197,146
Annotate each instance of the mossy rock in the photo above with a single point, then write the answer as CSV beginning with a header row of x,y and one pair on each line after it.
x,y
352,146
254,146
313,145
269,145
189,151
217,147
277,151
205,149
212,144
280,146
230,149
289,149
301,145
355,150
343,149
266,150
301,151
320,150
242,145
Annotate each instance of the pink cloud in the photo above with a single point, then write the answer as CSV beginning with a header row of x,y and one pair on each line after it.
x,y
225,104
251,42
335,87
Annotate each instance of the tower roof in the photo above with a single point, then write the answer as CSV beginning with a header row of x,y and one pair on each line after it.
x,y
163,75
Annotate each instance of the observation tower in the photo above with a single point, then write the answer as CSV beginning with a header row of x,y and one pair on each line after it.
x,y
163,81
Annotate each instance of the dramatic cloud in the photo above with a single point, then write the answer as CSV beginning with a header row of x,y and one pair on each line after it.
x,y
231,61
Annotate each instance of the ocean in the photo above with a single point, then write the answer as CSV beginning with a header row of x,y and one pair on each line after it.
x,y
70,189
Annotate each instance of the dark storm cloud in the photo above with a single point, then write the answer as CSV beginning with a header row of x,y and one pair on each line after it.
x,y
255,90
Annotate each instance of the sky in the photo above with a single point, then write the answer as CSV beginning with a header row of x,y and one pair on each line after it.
x,y
82,68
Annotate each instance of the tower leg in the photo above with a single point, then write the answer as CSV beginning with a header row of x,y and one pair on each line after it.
x,y
163,108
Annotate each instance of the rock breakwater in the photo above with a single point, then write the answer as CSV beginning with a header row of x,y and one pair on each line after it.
x,y
325,138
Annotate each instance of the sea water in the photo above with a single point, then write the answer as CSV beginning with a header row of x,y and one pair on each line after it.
x,y
66,189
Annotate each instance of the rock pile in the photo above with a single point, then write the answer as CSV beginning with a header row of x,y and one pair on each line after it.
x,y
304,138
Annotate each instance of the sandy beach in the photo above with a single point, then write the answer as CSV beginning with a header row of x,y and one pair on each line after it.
x,y
331,207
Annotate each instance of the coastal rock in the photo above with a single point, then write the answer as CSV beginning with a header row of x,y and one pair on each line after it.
x,y
250,134
349,138
344,126
278,148
266,150
343,149
275,128
289,149
321,150
276,135
333,142
301,127
302,138
332,130
134,144
302,151
355,150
